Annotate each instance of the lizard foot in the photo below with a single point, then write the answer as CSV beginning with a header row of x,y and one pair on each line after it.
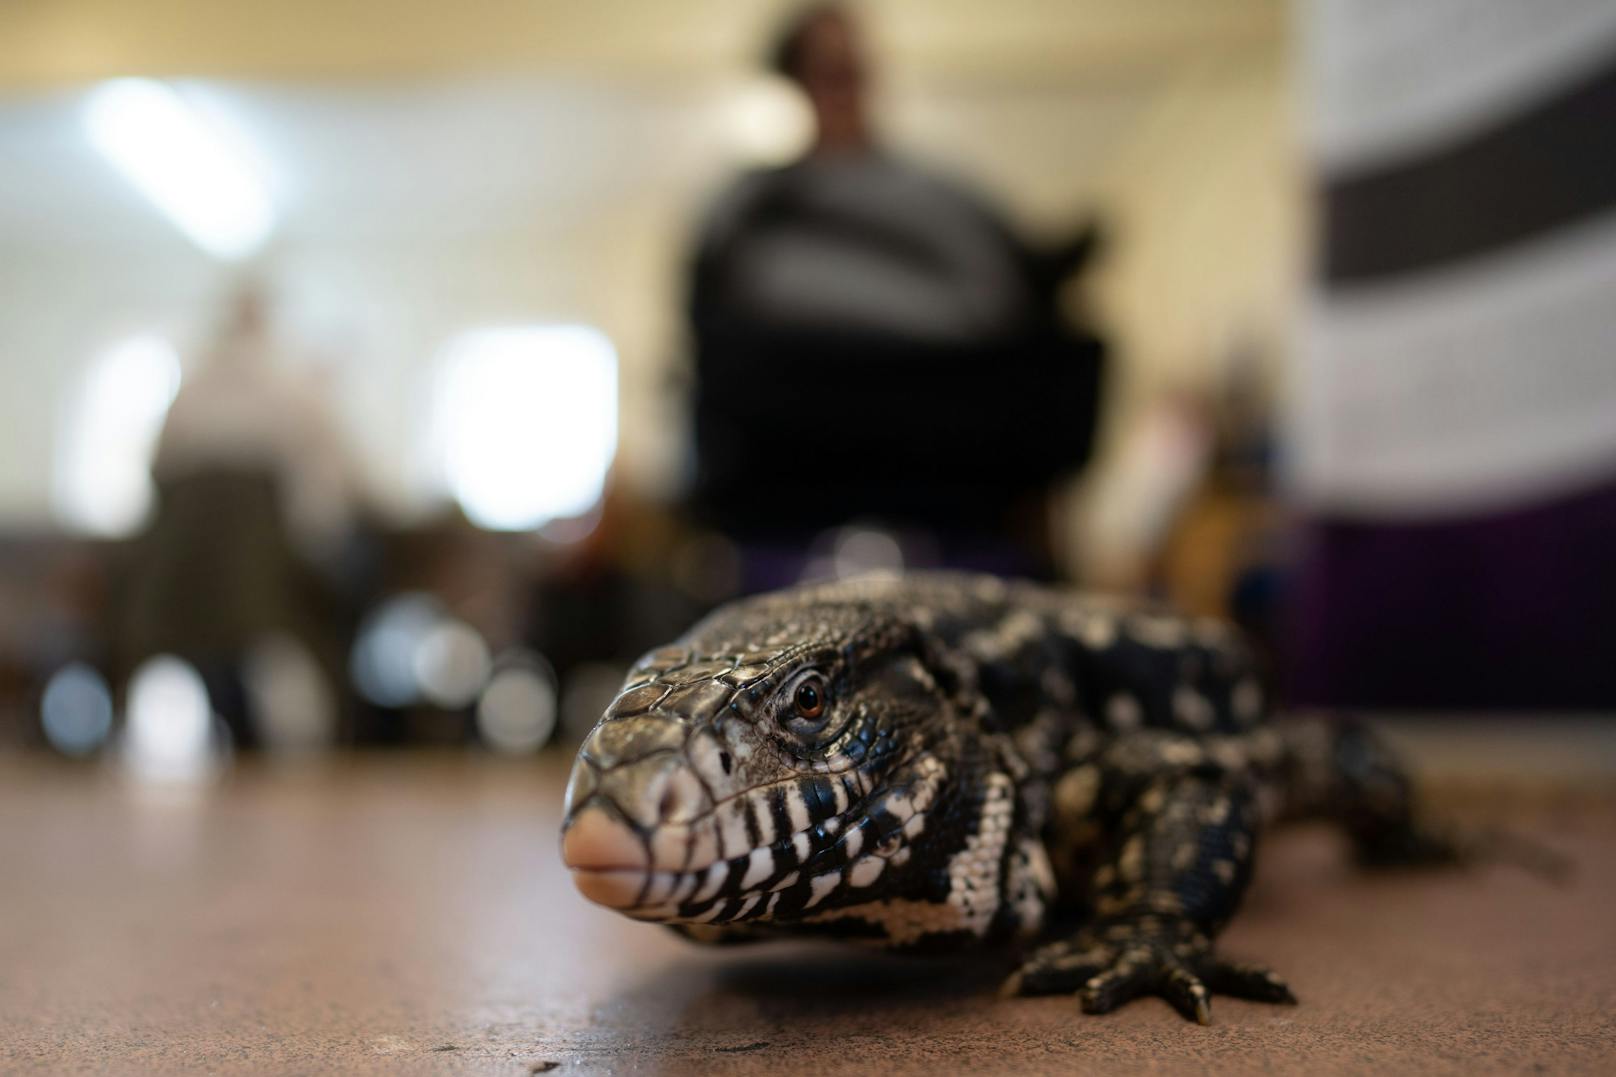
x,y
1108,964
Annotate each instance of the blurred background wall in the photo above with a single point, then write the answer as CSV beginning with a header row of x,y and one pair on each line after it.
x,y
425,300
514,162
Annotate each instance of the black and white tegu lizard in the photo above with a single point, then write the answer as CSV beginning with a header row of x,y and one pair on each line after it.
x,y
935,761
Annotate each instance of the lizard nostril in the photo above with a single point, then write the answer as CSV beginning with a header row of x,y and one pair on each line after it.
x,y
669,803
680,797
654,792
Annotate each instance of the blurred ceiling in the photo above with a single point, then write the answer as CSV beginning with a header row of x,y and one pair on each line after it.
x,y
56,41
393,119
360,161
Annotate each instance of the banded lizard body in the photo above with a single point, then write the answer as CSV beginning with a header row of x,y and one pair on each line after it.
x,y
935,761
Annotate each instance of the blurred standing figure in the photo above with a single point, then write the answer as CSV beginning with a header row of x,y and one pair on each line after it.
x,y
242,567
872,342
243,410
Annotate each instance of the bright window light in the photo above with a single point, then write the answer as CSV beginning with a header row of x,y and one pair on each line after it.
x,y
178,159
103,471
528,423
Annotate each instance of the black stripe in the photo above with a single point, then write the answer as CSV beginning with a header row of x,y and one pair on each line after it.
x,y
829,852
785,859
793,899
754,835
820,798
1547,166
732,879
689,909
884,827
777,809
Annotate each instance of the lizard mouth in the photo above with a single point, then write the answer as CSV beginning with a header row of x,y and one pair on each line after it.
x,y
615,888
611,864
675,873
659,877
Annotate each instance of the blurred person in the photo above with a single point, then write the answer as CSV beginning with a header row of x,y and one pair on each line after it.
x,y
872,342
257,508
1455,440
243,409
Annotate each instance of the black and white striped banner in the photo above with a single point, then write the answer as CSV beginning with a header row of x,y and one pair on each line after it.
x,y
1459,354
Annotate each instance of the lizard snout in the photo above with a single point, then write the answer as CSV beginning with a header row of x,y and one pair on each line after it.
x,y
608,860
628,825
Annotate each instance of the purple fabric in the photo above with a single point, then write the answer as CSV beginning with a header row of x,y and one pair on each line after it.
x,y
1513,610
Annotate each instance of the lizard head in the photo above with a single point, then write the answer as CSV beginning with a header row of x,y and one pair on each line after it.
x,y
793,759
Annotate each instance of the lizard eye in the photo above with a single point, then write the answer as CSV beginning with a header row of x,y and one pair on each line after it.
x,y
810,698
808,705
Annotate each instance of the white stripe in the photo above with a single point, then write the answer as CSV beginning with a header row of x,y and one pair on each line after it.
x,y
704,751
687,886
733,838
764,818
1391,80
1466,389
796,808
709,916
709,886
820,886
866,871
660,887
759,866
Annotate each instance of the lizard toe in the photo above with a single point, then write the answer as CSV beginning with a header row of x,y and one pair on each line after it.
x,y
1109,964
1188,995
1057,969
1246,981
1132,975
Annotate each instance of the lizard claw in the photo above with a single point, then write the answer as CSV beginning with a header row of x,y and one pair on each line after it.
x,y
1108,965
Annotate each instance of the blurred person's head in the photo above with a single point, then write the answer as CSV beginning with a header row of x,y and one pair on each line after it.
x,y
819,49
247,310
240,324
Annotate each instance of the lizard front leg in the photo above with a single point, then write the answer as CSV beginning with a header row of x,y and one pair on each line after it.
x,y
1185,829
